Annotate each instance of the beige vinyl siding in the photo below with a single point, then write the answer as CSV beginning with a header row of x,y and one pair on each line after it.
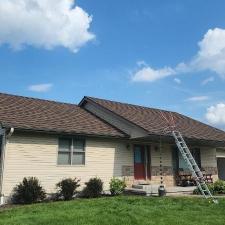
x,y
36,155
209,161
166,153
220,152
208,157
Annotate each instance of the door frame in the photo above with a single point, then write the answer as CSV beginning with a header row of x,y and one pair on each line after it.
x,y
218,167
147,161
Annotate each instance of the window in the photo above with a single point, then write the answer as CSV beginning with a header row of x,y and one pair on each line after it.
x,y
196,155
71,151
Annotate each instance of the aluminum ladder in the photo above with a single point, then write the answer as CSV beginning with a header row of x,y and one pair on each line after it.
x,y
192,165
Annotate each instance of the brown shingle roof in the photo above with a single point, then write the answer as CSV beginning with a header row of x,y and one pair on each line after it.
x,y
43,115
151,120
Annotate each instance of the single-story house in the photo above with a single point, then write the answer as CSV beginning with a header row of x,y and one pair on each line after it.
x,y
52,140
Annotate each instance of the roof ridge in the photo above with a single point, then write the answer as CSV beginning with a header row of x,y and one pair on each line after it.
x,y
39,99
130,104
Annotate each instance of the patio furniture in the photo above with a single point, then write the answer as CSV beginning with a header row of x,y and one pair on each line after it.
x,y
185,179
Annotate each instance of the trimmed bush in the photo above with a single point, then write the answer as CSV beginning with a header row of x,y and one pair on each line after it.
x,y
93,189
117,186
219,187
67,188
196,191
28,191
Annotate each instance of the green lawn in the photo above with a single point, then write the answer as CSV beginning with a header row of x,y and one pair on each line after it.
x,y
119,210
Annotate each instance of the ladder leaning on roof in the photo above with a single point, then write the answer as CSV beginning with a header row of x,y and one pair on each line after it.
x,y
188,158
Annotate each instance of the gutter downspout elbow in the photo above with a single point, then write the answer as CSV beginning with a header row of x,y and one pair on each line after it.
x,y
11,131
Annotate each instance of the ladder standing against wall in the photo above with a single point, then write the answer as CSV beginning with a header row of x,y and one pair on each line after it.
x,y
189,159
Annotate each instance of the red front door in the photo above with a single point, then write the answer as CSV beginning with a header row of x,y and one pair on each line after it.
x,y
139,162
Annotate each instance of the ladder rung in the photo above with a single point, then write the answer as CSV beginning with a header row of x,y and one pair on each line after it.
x,y
190,158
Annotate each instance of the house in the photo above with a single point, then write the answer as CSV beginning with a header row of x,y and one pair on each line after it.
x,y
52,140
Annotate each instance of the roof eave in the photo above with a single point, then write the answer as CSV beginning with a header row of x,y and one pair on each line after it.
x,y
62,132
190,140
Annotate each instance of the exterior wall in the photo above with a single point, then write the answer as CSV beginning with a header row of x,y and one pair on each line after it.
x,y
36,155
1,158
209,161
167,169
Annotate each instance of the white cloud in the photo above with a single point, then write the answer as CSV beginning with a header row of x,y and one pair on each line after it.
x,y
40,87
177,80
210,56
216,114
197,98
207,80
141,63
147,73
44,23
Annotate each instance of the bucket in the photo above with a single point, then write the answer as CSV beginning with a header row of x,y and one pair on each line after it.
x,y
161,191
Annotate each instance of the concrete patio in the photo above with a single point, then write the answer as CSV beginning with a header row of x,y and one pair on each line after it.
x,y
152,190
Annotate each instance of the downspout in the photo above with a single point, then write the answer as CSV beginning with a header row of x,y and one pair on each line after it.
x,y
5,138
11,131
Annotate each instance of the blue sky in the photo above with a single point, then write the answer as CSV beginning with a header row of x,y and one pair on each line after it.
x,y
153,53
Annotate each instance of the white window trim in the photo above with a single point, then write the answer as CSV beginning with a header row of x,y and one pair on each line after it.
x,y
71,152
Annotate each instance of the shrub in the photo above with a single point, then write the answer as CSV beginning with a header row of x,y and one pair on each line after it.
x,y
216,188
219,187
67,188
28,191
93,189
197,191
117,186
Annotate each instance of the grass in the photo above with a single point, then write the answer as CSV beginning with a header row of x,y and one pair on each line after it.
x,y
122,210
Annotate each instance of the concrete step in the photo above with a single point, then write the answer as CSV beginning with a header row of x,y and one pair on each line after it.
x,y
148,190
